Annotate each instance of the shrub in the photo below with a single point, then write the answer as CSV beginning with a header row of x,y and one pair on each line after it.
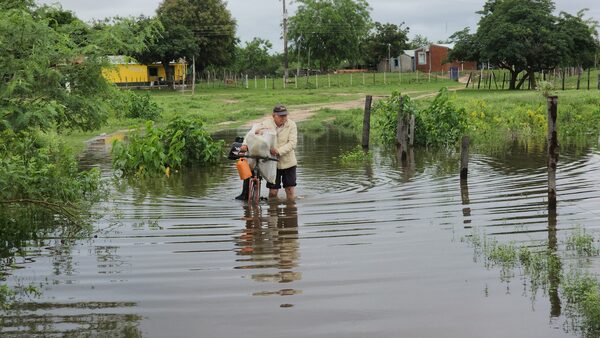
x,y
142,107
42,188
442,123
356,156
183,142
385,116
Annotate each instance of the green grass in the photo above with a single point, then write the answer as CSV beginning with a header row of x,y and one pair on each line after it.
x,y
506,115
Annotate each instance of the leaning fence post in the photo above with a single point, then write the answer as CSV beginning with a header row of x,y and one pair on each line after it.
x,y
367,122
552,150
464,158
469,80
598,81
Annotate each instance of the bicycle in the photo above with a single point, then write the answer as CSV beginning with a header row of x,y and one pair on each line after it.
x,y
254,182
256,179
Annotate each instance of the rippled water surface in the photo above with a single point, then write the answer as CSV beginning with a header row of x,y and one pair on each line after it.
x,y
366,251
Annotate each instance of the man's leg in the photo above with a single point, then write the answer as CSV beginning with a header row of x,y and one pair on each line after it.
x,y
273,193
290,193
289,182
244,195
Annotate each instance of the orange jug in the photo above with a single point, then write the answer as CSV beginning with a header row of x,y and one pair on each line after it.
x,y
243,169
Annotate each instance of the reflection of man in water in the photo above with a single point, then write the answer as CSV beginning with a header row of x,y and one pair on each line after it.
x,y
271,241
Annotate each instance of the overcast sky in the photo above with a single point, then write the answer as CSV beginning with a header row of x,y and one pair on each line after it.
x,y
435,19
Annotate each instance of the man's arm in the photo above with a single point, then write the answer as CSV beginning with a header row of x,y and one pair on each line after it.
x,y
290,145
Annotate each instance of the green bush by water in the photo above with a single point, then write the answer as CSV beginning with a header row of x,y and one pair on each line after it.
x,y
440,123
183,142
356,156
141,106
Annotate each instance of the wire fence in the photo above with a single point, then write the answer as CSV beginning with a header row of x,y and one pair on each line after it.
x,y
312,80
571,78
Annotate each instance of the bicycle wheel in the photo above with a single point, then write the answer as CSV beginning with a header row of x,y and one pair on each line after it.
x,y
254,191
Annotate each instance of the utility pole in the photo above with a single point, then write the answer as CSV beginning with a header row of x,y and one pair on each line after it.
x,y
389,58
285,46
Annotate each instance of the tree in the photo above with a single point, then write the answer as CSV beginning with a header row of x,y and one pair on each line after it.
x,y
385,40
254,58
51,82
203,29
524,36
419,41
465,46
577,36
331,30
518,35
51,69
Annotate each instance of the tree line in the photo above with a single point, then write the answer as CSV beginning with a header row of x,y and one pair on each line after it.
x,y
516,35
525,37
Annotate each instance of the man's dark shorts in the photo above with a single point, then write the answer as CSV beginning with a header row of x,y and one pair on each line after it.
x,y
287,176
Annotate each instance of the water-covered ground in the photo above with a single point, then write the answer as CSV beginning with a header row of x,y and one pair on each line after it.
x,y
373,250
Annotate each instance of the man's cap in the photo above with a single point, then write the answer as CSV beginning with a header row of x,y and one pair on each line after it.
x,y
280,110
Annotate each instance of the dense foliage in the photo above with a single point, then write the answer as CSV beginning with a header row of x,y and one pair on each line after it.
x,y
42,186
183,142
254,58
441,123
201,28
50,66
51,83
386,40
525,36
141,106
333,30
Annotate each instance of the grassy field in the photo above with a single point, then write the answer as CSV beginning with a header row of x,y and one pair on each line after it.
x,y
223,107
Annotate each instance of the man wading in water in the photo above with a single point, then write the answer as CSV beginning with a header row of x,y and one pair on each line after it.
x,y
287,138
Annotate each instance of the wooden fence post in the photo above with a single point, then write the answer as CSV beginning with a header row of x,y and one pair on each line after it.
x,y
589,70
495,82
598,81
367,122
469,80
552,150
563,79
401,131
464,158
411,130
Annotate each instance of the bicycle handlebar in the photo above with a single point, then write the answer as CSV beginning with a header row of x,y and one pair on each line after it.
x,y
259,157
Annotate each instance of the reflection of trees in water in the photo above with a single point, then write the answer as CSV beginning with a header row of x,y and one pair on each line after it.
x,y
25,320
520,156
193,181
271,241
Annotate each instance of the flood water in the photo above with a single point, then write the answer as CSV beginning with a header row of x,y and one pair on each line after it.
x,y
374,250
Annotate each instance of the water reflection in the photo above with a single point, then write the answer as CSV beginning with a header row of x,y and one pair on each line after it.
x,y
270,242
554,270
464,196
44,320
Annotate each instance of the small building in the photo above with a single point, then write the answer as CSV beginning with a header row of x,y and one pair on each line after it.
x,y
434,58
404,63
127,71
